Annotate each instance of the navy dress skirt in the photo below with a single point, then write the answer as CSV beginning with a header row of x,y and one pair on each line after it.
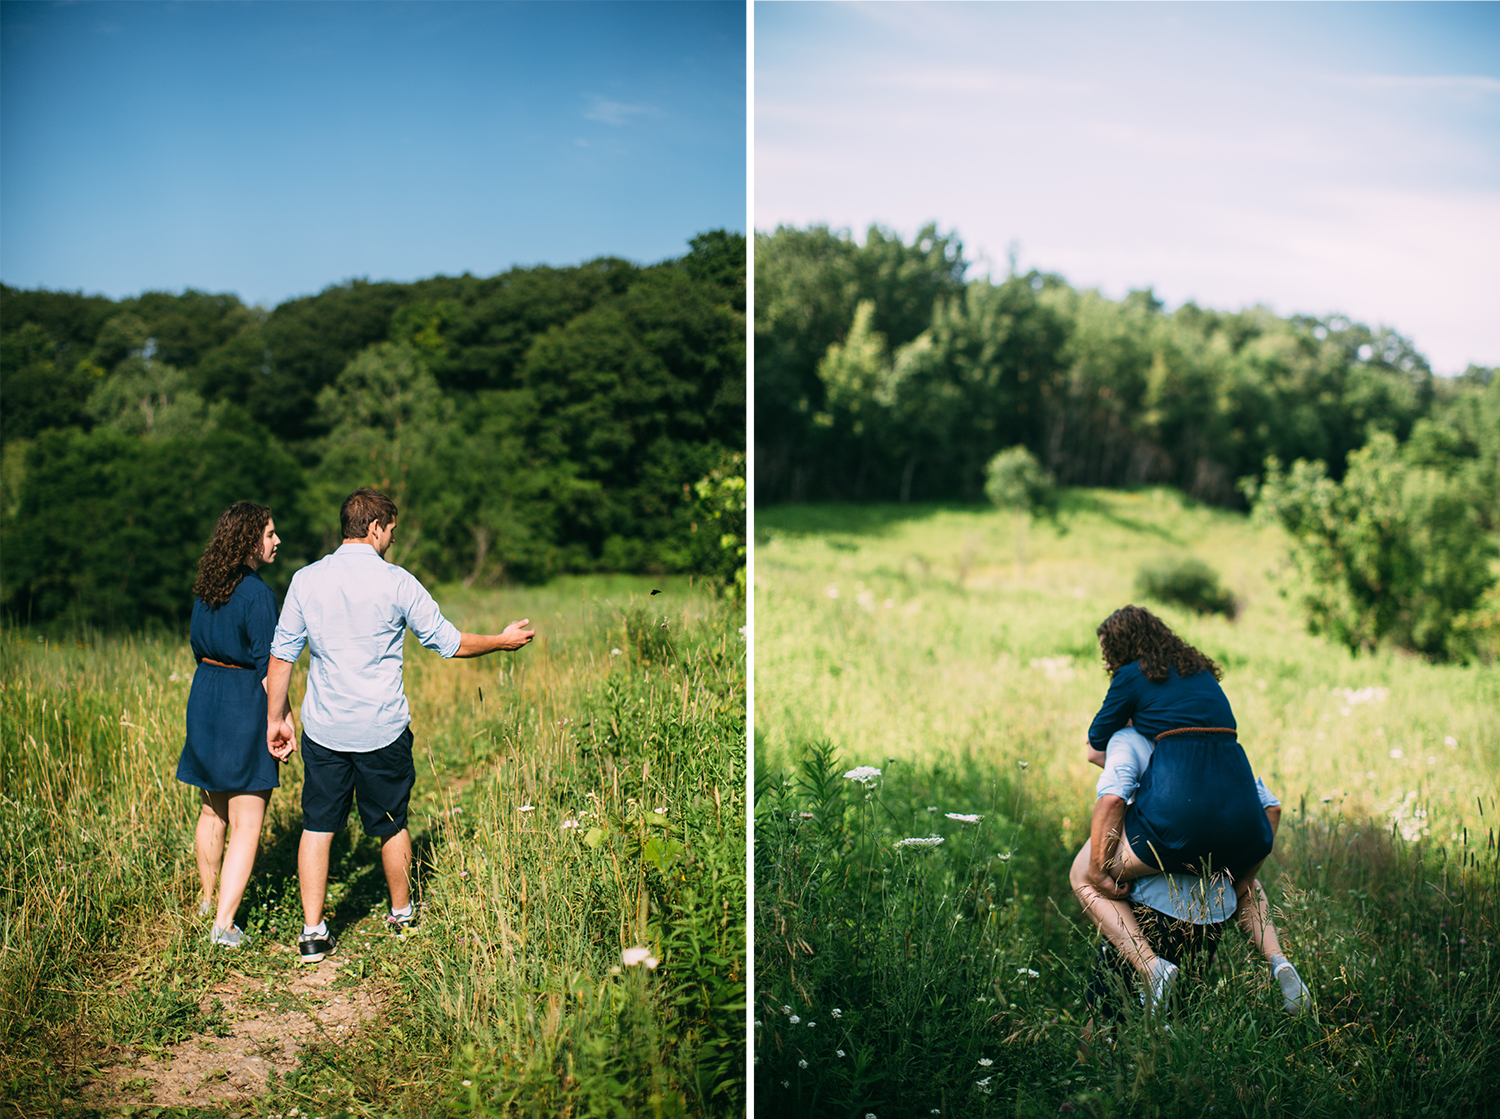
x,y
1196,808
226,712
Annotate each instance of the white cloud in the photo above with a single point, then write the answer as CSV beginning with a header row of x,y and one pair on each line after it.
x,y
605,111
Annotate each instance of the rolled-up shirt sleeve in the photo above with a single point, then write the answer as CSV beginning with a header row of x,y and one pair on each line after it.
x,y
425,619
291,629
1126,757
1267,798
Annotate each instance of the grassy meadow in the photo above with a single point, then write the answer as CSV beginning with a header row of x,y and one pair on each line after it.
x,y
577,798
953,649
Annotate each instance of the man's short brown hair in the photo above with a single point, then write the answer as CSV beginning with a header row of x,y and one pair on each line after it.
x,y
361,509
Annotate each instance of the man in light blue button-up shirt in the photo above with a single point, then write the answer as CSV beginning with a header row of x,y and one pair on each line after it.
x,y
351,609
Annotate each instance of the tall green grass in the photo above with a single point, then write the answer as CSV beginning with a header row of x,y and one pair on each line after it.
x,y
511,996
908,639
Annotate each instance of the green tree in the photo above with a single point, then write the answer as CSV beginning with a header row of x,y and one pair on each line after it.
x,y
1014,480
1393,552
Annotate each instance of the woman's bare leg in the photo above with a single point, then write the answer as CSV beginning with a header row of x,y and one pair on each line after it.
x,y
208,839
1254,912
247,811
1115,919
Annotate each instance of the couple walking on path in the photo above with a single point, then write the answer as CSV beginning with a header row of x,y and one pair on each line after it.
x,y
351,609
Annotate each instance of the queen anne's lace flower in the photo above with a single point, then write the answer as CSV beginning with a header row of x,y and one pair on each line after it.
x,y
962,818
920,844
865,774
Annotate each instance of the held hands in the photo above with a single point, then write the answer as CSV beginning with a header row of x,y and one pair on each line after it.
x,y
281,738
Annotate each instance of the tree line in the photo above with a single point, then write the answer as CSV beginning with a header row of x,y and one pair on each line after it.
x,y
883,373
540,421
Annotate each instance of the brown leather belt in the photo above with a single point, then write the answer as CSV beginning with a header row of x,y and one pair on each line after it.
x,y
1197,730
221,664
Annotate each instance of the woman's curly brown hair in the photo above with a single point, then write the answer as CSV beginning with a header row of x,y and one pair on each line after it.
x,y
236,538
1133,633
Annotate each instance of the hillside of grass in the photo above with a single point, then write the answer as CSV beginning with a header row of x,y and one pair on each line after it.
x,y
575,799
953,649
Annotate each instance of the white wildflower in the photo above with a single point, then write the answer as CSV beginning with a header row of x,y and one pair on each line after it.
x,y
837,1013
786,1010
838,1053
985,1062
467,1083
614,652
566,824
636,955
796,1021
984,1085
1027,972
1023,765
863,773
810,1025
661,811
527,808
920,844
802,1063
963,818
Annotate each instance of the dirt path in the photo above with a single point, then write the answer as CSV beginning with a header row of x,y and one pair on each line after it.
x,y
267,1022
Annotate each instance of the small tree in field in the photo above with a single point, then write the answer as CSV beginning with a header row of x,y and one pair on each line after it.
x,y
1394,552
1014,480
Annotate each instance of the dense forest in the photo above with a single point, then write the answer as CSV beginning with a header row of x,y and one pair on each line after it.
x,y
540,421
882,373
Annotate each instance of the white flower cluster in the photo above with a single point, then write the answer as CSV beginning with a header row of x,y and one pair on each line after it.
x,y
865,774
963,818
639,955
920,844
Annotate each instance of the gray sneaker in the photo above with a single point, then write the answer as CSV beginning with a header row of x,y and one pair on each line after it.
x,y
229,938
1295,997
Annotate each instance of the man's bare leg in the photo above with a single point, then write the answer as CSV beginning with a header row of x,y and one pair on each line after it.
x,y
1113,916
395,856
312,874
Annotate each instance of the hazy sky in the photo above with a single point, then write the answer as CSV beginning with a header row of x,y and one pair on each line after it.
x,y
272,149
1311,157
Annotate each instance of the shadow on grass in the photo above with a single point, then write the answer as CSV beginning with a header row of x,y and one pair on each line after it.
x,y
849,519
355,873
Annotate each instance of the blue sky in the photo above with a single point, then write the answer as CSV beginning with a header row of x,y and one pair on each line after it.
x,y
1315,158
272,149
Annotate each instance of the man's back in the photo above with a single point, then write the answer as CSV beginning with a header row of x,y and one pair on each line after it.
x,y
351,608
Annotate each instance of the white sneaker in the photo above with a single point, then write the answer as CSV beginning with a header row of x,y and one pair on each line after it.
x,y
1295,997
228,938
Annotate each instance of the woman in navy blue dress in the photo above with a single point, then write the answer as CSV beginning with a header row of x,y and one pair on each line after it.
x,y
225,755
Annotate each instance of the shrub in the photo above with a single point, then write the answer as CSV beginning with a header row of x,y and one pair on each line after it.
x,y
1394,552
1184,581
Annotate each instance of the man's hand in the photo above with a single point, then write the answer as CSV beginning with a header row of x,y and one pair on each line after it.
x,y
281,738
517,634
281,734
514,636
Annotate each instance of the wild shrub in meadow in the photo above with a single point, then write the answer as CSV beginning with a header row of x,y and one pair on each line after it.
x,y
573,802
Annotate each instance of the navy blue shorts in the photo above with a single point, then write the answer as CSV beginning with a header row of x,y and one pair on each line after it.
x,y
379,780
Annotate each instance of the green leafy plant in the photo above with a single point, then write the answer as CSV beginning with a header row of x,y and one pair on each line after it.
x,y
1185,581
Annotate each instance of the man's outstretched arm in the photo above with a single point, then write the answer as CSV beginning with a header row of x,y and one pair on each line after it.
x,y
281,735
478,644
